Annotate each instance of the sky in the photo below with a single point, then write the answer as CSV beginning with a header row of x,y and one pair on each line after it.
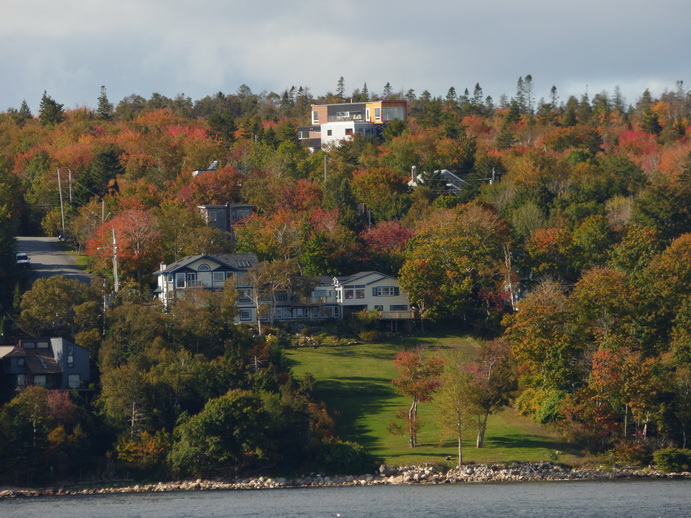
x,y
70,48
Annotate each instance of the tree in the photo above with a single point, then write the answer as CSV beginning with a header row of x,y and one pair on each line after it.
x,y
493,382
462,252
418,377
105,108
538,334
230,432
340,90
269,280
456,402
50,112
48,308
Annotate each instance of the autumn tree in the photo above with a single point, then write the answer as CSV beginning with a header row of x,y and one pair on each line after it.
x,y
493,382
456,403
52,304
418,378
461,254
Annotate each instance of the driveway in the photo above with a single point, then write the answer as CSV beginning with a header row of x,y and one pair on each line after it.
x,y
47,259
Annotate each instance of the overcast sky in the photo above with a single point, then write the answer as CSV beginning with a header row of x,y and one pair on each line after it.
x,y
70,48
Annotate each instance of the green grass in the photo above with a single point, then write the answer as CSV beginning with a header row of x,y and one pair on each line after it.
x,y
355,384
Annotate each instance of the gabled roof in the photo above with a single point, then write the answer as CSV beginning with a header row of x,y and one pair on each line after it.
x,y
238,262
362,275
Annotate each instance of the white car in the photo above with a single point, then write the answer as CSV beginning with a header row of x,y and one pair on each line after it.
x,y
23,260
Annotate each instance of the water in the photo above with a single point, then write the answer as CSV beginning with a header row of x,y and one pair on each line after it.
x,y
667,498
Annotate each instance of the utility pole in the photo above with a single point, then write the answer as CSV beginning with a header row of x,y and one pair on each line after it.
x,y
69,171
115,263
62,206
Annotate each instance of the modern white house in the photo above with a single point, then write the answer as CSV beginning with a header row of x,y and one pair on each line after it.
x,y
333,123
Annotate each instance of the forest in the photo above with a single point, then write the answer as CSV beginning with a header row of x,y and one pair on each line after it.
x,y
568,250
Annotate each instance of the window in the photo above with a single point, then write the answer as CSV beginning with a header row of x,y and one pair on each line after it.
x,y
329,133
169,277
70,355
315,117
243,263
360,293
73,381
29,345
242,279
398,307
191,277
349,131
385,291
245,315
377,114
349,294
20,362
21,380
219,276
378,308
42,345
179,280
391,113
43,363
367,114
245,296
40,380
204,267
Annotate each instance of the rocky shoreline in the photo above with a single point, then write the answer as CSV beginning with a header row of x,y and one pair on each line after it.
x,y
386,475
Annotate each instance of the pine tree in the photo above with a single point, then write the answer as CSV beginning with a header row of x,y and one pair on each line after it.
x,y
340,89
50,112
105,108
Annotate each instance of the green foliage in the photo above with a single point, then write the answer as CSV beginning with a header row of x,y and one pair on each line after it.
x,y
344,458
541,405
672,459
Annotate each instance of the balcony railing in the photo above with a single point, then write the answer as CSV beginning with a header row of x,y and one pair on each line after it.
x,y
398,315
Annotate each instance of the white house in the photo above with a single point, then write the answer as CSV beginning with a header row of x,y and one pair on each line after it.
x,y
373,291
318,299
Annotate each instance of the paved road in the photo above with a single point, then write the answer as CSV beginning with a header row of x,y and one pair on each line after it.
x,y
47,259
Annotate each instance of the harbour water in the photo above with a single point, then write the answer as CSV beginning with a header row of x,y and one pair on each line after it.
x,y
636,498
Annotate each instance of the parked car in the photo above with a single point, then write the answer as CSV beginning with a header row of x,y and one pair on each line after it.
x,y
23,260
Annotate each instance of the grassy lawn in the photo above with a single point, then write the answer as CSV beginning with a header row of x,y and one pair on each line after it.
x,y
355,383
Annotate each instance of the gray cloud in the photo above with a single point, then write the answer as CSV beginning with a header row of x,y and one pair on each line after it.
x,y
71,48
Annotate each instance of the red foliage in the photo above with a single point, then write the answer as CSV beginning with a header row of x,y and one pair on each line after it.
x,y
387,237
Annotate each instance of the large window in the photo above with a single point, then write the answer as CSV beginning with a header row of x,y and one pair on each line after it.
x,y
73,381
391,113
385,291
219,276
398,307
315,117
40,379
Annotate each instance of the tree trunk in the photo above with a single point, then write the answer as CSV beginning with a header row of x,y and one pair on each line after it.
x,y
412,423
626,420
481,427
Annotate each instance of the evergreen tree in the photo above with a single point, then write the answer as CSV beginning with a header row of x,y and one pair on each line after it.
x,y
340,89
388,91
50,112
105,109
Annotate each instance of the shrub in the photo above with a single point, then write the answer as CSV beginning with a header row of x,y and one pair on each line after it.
x,y
344,458
673,459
